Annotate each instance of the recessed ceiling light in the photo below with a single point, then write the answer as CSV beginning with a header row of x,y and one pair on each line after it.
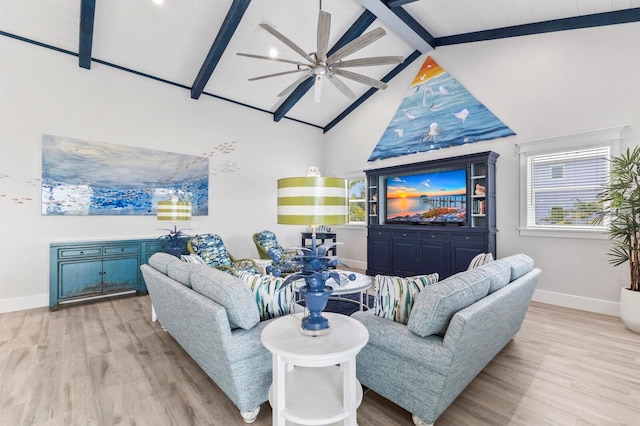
x,y
273,52
158,1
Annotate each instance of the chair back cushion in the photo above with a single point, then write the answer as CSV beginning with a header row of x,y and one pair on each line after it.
x,y
211,249
268,241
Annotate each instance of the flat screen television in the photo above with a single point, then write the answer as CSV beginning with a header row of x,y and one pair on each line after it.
x,y
435,198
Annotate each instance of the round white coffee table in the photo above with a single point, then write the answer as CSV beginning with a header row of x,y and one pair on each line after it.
x,y
360,285
314,378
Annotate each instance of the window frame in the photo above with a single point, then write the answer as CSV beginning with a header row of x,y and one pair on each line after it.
x,y
608,137
350,178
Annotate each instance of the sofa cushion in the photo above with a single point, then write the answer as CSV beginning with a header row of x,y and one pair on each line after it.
x,y
160,261
499,274
228,291
181,272
271,297
436,304
520,265
395,296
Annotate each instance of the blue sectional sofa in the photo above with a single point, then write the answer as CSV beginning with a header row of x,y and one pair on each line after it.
x,y
455,328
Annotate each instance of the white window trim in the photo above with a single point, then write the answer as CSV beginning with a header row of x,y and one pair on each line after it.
x,y
355,175
610,137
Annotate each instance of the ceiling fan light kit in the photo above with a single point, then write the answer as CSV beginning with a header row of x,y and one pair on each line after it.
x,y
318,65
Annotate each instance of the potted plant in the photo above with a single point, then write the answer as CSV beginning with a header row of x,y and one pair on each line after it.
x,y
621,201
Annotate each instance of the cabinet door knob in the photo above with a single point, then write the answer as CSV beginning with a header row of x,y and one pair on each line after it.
x,y
404,235
81,252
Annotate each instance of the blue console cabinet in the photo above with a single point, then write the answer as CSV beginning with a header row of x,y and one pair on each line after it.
x,y
90,269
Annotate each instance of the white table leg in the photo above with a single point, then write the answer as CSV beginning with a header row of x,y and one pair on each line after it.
x,y
349,384
154,317
279,369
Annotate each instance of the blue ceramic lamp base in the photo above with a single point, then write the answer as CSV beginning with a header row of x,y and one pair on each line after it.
x,y
314,265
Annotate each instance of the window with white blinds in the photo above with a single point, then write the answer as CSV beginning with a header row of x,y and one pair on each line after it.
x,y
562,187
560,179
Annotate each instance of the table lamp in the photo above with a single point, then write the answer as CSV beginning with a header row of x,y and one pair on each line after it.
x,y
174,210
313,201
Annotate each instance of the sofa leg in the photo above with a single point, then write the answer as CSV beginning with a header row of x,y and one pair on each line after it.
x,y
419,422
250,416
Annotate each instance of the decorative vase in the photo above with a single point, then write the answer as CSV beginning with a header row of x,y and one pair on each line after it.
x,y
315,301
630,309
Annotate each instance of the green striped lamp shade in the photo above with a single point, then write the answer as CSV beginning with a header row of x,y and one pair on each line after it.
x,y
174,210
312,201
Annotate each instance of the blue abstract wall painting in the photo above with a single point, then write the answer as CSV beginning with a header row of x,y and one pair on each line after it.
x,y
437,112
95,178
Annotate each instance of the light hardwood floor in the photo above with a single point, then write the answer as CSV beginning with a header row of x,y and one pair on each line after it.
x,y
106,363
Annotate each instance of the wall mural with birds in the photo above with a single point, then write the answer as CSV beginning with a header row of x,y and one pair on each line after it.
x,y
95,178
437,112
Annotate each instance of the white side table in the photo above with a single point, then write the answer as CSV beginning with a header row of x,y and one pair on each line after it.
x,y
262,264
314,378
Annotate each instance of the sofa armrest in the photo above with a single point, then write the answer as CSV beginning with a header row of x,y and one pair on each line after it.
x,y
396,339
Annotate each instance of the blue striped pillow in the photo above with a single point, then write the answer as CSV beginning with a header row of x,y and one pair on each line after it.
x,y
272,298
395,295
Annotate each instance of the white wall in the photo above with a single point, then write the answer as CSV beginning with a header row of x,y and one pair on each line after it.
x,y
45,92
540,86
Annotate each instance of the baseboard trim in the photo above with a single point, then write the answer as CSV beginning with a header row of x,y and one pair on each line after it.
x,y
353,264
22,303
578,302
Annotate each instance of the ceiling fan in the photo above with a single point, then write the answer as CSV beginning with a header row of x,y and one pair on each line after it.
x,y
319,66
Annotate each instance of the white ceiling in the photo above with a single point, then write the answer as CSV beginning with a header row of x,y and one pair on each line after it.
x,y
171,41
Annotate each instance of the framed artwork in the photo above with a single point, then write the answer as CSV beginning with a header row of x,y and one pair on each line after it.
x,y
95,178
437,112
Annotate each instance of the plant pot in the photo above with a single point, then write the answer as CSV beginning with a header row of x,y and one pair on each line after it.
x,y
630,309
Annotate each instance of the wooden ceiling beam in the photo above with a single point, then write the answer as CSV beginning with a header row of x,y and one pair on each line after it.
x,y
398,3
387,78
87,18
228,28
564,24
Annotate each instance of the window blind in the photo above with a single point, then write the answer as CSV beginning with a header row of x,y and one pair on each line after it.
x,y
562,187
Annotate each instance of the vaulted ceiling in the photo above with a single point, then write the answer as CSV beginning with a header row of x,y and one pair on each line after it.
x,y
193,44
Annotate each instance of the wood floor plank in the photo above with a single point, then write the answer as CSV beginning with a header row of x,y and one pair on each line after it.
x,y
106,363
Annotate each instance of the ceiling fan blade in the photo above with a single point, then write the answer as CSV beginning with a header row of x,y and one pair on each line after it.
x,y
341,86
286,41
269,58
324,28
361,79
275,75
317,89
292,86
357,44
366,62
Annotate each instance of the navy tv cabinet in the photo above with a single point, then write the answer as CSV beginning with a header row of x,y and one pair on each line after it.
x,y
405,249
91,269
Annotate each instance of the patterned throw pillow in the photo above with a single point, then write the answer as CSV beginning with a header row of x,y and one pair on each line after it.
x,y
273,300
395,295
479,260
